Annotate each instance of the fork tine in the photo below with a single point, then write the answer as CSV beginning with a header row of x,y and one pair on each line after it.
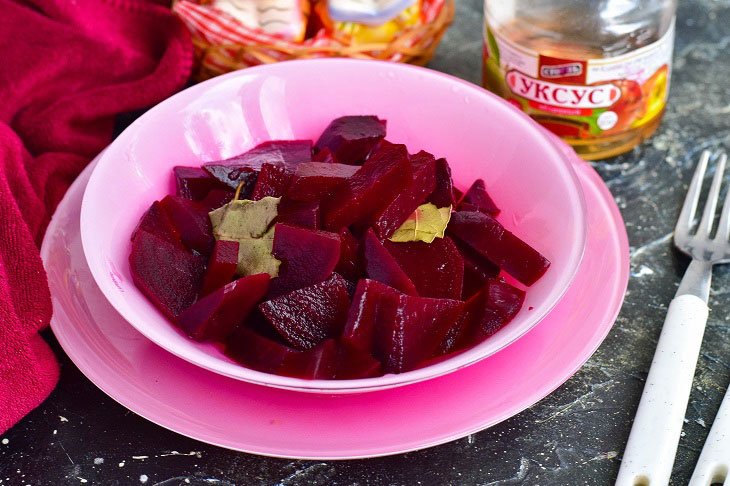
x,y
708,215
689,208
723,227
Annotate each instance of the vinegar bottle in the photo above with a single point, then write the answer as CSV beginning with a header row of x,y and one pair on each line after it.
x,y
594,72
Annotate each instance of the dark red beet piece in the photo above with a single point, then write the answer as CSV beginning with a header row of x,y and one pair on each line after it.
x,y
389,219
315,180
193,183
215,316
155,221
301,213
308,316
486,235
307,256
381,179
363,313
233,175
477,269
221,266
487,312
192,222
352,138
167,273
443,195
318,363
381,266
353,363
257,352
273,181
436,269
410,329
324,155
217,198
349,265
287,152
477,197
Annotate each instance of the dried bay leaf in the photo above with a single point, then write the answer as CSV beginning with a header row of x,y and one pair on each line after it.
x,y
427,223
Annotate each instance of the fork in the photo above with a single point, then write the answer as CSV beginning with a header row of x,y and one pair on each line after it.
x,y
652,444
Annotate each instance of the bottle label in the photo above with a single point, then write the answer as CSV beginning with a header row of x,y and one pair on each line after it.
x,y
581,98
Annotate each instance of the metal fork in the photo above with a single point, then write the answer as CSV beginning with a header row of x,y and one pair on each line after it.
x,y
652,444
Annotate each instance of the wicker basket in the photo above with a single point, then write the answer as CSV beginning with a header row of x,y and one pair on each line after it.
x,y
414,45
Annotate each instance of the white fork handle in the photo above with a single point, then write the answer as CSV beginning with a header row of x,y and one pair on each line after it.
x,y
654,436
714,461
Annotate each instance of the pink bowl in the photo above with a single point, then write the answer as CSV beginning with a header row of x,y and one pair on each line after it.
x,y
481,135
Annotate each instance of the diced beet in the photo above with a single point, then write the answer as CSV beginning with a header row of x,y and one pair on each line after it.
x,y
389,219
315,180
352,138
486,235
381,266
486,313
363,313
273,181
307,257
381,179
308,316
410,329
156,222
324,155
257,352
221,266
193,183
353,363
349,265
192,222
167,273
436,269
443,195
458,195
477,269
234,174
301,213
216,315
477,197
217,198
318,363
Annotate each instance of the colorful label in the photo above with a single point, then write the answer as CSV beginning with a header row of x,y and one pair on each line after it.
x,y
581,98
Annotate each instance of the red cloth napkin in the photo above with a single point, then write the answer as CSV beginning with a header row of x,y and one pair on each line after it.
x,y
68,67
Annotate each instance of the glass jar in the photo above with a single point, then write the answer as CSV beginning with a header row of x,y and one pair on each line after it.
x,y
595,72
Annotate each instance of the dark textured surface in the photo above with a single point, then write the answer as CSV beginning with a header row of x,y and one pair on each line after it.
x,y
573,437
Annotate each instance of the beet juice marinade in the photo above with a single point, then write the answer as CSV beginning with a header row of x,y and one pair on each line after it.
x,y
594,72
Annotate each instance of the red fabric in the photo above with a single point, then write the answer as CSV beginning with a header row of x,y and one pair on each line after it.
x,y
68,67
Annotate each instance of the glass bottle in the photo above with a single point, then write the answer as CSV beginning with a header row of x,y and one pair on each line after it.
x,y
595,72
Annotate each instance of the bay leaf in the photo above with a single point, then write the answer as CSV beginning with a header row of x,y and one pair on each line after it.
x,y
427,223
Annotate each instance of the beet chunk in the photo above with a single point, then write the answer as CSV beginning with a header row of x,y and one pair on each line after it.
x,y
352,138
167,273
192,222
353,363
318,363
217,198
444,194
216,315
349,265
287,152
302,213
381,266
315,180
478,199
390,218
477,269
156,222
221,266
324,155
363,313
193,183
273,180
381,179
308,316
234,174
486,235
257,352
409,329
307,256
436,269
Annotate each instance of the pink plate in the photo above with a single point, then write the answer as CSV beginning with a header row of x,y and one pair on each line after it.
x,y
263,420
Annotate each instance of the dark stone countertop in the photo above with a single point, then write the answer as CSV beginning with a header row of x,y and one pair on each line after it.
x,y
573,437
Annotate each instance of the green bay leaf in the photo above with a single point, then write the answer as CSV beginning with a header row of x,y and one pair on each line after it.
x,y
427,223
